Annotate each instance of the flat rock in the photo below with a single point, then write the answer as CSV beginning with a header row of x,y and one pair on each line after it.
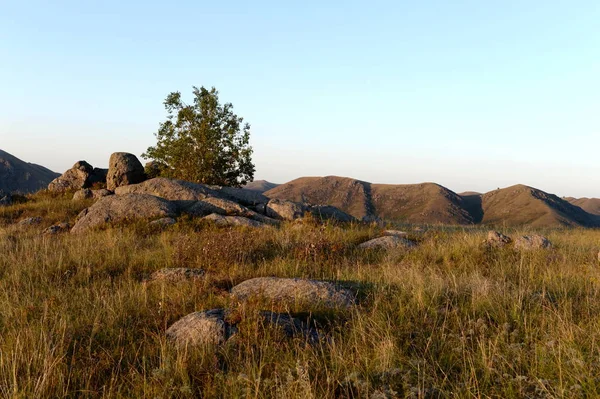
x,y
387,242
534,241
395,233
497,239
163,222
292,291
118,208
221,220
204,328
124,169
177,274
225,207
32,221
181,192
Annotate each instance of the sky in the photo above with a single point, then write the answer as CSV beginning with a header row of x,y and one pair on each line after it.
x,y
473,95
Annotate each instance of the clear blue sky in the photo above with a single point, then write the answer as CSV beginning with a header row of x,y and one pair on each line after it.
x,y
473,95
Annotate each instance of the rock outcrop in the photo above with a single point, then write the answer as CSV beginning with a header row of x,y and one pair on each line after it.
x,y
285,210
124,169
81,175
534,241
221,220
181,192
118,208
294,291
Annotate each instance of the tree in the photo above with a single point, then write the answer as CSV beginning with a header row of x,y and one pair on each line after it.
x,y
204,142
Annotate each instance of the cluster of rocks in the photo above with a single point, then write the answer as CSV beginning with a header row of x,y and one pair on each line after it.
x,y
498,240
216,326
129,195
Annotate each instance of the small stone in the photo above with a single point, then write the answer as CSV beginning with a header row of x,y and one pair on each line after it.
x,y
387,242
177,274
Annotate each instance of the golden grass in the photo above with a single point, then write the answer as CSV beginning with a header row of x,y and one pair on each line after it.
x,y
447,319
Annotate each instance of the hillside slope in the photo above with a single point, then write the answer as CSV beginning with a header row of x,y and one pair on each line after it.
x,y
524,205
414,203
590,205
260,186
18,176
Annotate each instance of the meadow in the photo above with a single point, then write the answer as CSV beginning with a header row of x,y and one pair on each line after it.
x,y
450,318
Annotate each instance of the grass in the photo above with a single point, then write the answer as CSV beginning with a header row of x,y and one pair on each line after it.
x,y
448,319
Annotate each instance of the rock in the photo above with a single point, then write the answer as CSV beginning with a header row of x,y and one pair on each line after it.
x,y
76,178
395,233
101,193
124,169
220,220
83,194
56,229
176,274
534,241
387,242
285,210
290,291
183,193
32,221
225,207
118,208
204,328
497,240
328,212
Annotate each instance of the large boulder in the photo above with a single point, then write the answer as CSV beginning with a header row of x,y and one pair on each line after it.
x,y
118,208
387,242
81,175
294,291
205,328
225,207
124,169
285,210
181,192
534,241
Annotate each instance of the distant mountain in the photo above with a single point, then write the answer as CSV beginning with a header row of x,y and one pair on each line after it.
x,y
413,203
260,186
590,205
430,203
17,176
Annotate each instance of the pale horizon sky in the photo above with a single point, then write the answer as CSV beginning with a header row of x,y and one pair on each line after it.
x,y
468,94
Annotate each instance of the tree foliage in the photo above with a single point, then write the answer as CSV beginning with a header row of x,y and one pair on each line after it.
x,y
204,142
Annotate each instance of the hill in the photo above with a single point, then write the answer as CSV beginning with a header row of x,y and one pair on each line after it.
x,y
524,205
429,203
590,205
414,203
17,176
260,186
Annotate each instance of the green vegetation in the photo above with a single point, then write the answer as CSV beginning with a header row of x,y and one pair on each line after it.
x,y
447,319
204,142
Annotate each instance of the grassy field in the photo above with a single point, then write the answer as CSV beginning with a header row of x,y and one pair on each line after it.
x,y
448,319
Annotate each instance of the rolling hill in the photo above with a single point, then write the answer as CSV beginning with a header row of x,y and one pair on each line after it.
x,y
430,203
17,176
260,186
590,205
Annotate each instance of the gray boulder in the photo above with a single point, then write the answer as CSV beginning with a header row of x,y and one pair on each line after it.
x,y
76,178
534,241
225,207
83,194
118,208
497,240
204,328
387,242
220,220
293,291
181,192
124,169
101,193
285,210
176,274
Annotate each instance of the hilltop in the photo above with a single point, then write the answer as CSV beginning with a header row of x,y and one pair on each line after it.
x,y
260,186
17,176
430,203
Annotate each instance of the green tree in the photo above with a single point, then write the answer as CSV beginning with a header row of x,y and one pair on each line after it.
x,y
204,142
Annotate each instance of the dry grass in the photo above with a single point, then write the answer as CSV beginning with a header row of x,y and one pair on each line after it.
x,y
448,319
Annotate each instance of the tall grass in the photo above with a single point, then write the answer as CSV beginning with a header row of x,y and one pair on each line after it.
x,y
447,319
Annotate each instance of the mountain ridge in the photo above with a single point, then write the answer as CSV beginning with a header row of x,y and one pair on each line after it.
x,y
18,176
